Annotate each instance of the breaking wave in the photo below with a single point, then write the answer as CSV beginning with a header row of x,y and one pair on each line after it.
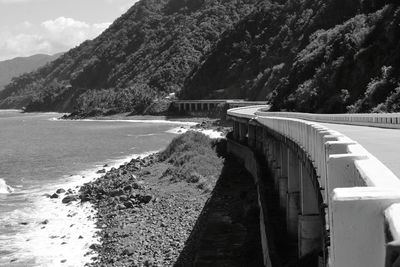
x,y
4,188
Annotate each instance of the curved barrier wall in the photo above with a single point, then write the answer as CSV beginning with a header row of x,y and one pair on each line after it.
x,y
361,194
384,120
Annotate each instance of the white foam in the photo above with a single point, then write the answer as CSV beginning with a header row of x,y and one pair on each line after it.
x,y
4,188
70,229
10,110
209,132
189,123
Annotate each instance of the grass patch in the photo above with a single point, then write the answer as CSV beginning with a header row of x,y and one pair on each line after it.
x,y
193,158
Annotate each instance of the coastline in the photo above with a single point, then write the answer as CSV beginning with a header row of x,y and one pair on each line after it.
x,y
212,127
137,169
143,219
148,217
74,237
59,233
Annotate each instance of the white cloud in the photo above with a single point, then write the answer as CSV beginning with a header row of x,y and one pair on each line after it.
x,y
49,37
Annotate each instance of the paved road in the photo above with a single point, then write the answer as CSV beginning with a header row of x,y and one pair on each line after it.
x,y
383,143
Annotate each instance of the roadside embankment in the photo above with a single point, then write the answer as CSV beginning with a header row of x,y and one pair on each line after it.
x,y
168,208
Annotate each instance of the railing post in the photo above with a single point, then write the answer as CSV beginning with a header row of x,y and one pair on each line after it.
x,y
293,195
236,131
251,135
357,226
310,221
242,131
392,230
283,180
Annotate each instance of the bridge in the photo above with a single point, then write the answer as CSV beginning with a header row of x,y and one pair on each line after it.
x,y
333,180
189,106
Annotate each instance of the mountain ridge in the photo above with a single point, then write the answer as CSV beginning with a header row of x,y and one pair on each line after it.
x,y
323,56
310,56
143,56
14,67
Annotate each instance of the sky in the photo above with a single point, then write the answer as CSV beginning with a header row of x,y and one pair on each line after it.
x,y
29,27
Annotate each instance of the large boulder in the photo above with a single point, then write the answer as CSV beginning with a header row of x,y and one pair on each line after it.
x,y
69,199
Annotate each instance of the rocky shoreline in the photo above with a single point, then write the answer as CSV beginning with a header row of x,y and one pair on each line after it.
x,y
147,217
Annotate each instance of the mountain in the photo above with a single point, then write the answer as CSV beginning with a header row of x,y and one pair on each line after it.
x,y
308,55
17,66
142,57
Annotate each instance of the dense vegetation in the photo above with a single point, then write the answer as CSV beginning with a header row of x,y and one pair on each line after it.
x,y
193,158
139,59
17,66
308,55
300,55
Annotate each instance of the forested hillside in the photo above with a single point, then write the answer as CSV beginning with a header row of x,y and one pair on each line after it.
x,y
308,55
17,66
140,58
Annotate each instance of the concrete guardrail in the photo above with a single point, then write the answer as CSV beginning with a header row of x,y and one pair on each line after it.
x,y
362,195
384,120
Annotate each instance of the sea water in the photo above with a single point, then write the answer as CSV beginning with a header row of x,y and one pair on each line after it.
x,y
38,155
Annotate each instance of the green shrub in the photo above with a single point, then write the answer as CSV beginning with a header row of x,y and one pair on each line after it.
x,y
193,159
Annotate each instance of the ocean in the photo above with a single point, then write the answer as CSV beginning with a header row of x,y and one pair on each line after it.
x,y
40,154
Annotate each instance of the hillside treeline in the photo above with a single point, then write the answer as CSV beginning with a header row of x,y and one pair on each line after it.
x,y
143,56
308,55
323,56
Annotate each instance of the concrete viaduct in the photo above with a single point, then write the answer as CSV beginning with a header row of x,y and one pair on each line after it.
x,y
211,104
337,201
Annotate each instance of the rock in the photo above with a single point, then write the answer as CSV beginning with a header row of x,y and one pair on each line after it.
x,y
45,222
135,185
115,193
128,188
135,210
144,198
101,171
47,195
120,207
128,204
128,252
80,237
105,165
123,198
24,223
54,196
94,246
63,261
60,191
148,263
84,197
69,199
138,185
